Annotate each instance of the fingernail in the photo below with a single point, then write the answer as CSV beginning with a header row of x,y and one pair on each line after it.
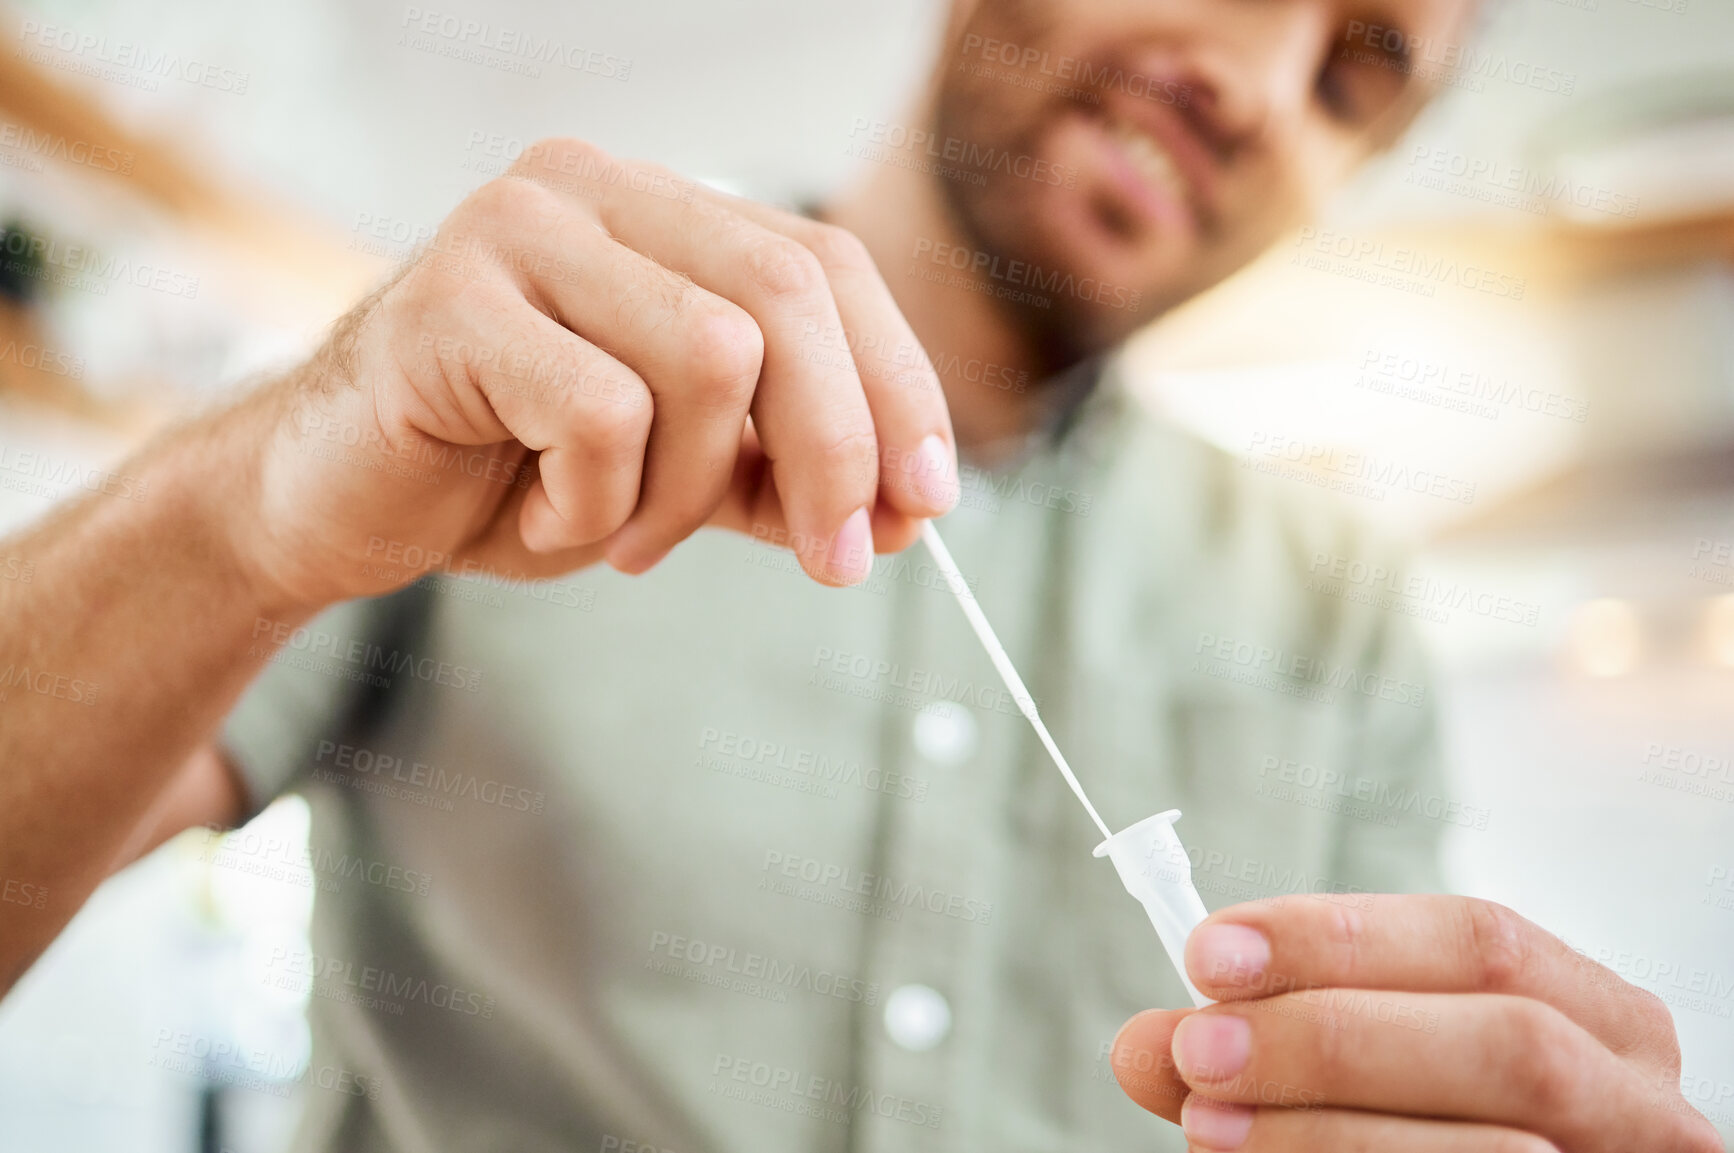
x,y
1212,1047
852,549
934,478
1227,955
1215,1125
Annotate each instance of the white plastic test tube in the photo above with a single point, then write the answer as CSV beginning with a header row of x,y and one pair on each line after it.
x,y
1149,857
1153,866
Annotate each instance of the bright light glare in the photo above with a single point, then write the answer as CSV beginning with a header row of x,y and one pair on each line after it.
x,y
1719,630
1606,637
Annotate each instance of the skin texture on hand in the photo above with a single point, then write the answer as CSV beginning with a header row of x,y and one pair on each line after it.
x,y
594,359
1421,1023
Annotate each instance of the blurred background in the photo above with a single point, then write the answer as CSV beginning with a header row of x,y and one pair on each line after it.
x,y
1528,305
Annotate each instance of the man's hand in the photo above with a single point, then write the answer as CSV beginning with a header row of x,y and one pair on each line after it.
x,y
1421,1024
592,360
567,374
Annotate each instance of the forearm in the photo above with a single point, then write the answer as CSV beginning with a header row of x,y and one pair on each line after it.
x,y
118,658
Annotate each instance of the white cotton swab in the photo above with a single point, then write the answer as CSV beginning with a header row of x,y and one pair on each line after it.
x,y
1148,856
996,653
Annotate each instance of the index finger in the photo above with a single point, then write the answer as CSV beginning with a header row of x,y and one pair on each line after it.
x,y
834,337
917,449
811,416
1421,944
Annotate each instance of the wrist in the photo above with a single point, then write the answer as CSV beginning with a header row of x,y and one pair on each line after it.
x,y
212,476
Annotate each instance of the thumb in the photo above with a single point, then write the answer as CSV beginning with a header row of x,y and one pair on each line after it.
x,y
1143,1062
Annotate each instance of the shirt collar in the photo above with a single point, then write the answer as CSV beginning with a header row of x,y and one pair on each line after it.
x,y
1082,405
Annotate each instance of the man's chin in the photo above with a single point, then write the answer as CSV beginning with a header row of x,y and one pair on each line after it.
x,y
1063,247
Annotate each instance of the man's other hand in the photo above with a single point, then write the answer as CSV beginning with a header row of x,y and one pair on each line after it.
x,y
1422,1023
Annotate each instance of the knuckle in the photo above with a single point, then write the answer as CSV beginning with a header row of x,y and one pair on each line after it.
x,y
853,453
1656,1026
1346,931
555,153
783,269
725,352
838,248
1542,1058
1334,1047
1500,941
614,429
511,198
654,180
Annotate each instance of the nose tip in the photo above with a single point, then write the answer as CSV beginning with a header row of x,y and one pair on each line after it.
x,y
1229,114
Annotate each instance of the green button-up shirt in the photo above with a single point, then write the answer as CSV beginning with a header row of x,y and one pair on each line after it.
x,y
648,860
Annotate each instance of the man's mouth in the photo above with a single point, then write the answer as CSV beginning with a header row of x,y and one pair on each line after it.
x,y
1150,186
1148,158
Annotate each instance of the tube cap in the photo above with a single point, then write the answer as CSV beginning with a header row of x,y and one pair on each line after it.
x,y
1153,866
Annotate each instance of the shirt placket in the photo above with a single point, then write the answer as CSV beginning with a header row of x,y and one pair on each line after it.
x,y
922,1050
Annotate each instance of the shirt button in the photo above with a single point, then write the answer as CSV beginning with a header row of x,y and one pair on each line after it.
x,y
917,1017
945,734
